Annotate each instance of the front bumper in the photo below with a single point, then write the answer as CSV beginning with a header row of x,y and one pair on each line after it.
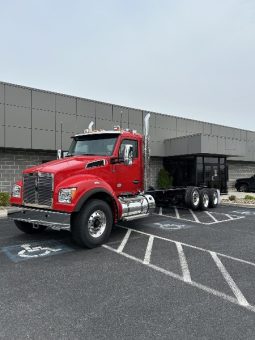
x,y
43,217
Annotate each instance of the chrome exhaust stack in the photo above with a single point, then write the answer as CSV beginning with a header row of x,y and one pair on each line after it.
x,y
146,152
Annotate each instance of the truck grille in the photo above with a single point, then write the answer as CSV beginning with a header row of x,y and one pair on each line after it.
x,y
37,189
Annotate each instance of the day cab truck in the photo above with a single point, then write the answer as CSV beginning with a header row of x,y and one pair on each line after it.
x,y
104,178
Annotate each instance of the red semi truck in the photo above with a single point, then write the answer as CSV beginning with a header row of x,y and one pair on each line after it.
x,y
101,180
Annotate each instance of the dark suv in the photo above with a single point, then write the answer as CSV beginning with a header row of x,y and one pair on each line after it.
x,y
245,184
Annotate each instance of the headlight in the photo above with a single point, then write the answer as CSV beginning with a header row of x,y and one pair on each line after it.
x,y
66,195
16,191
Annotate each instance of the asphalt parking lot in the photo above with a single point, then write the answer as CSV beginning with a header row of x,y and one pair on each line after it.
x,y
177,274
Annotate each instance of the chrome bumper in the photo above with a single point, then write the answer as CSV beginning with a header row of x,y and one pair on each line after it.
x,y
43,217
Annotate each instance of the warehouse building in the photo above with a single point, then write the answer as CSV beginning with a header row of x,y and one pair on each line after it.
x,y
34,124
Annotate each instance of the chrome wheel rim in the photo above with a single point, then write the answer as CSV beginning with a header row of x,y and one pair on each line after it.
x,y
195,198
206,200
97,223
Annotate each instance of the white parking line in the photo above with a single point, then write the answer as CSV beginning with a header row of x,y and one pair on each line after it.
x,y
147,256
239,298
183,262
176,213
209,214
194,216
124,241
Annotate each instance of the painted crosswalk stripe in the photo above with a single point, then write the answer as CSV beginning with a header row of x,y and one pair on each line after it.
x,y
212,217
194,216
177,213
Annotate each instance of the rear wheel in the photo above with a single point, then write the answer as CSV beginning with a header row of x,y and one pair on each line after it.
x,y
192,198
30,228
204,199
213,198
92,226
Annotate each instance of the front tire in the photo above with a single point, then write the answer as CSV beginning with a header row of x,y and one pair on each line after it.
x,y
92,225
30,228
243,188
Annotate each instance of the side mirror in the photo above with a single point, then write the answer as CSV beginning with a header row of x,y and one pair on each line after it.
x,y
128,154
61,154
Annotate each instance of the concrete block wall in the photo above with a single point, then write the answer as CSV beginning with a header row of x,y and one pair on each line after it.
x,y
13,162
239,170
156,163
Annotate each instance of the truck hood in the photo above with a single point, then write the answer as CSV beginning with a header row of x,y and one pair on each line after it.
x,y
242,179
63,168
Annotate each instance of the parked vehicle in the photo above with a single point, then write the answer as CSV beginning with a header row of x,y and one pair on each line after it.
x,y
245,184
102,179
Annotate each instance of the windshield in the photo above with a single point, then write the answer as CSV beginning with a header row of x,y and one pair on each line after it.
x,y
101,145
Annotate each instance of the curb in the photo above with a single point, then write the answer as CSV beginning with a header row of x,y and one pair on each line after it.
x,y
252,206
3,212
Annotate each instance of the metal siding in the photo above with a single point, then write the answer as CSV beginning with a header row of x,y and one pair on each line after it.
x,y
82,123
104,124
207,128
17,137
65,104
86,108
135,119
250,136
1,114
1,93
43,100
66,140
42,139
18,96
104,111
120,114
1,135
18,116
165,122
44,120
157,149
68,122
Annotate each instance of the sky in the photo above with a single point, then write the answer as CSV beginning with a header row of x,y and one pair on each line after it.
x,y
189,58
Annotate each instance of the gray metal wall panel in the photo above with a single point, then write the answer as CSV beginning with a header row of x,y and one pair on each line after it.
x,y
207,128
68,122
65,104
104,111
120,114
1,135
18,96
86,108
135,118
1,93
44,120
18,116
43,100
157,149
104,124
250,136
1,114
166,122
20,137
66,140
243,134
43,139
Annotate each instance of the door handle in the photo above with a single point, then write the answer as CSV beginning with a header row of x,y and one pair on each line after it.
x,y
136,181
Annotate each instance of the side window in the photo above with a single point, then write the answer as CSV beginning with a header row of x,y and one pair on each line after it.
x,y
130,142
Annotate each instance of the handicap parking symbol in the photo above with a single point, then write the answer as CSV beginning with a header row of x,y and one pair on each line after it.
x,y
35,250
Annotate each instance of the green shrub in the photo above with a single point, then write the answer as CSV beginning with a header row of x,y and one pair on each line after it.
x,y
232,198
4,199
249,197
165,181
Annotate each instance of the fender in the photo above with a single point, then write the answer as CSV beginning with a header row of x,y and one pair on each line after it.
x,y
87,186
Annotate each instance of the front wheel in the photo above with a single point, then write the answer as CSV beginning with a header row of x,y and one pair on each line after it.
x,y
30,228
92,225
243,188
